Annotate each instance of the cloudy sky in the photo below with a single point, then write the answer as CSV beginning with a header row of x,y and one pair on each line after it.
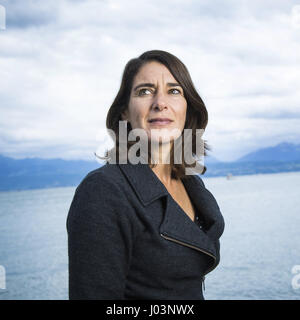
x,y
61,64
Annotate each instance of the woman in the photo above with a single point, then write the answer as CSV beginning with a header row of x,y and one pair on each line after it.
x,y
146,230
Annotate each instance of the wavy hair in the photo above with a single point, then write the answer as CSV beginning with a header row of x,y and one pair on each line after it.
x,y
196,115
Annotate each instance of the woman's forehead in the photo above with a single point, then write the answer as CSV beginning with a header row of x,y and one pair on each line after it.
x,y
153,72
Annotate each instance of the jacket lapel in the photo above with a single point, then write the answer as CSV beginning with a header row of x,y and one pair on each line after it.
x,y
144,182
179,226
206,205
176,224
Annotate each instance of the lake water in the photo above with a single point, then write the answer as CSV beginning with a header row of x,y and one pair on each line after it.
x,y
259,248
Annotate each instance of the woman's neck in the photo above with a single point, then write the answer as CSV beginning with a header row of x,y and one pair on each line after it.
x,y
161,158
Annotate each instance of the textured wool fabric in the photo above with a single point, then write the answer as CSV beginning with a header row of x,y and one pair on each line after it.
x,y
129,239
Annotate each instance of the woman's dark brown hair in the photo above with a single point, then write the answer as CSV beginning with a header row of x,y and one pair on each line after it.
x,y
196,116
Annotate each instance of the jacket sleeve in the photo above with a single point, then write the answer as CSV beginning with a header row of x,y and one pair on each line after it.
x,y
99,240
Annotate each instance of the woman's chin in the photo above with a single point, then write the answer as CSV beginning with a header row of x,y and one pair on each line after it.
x,y
164,135
161,140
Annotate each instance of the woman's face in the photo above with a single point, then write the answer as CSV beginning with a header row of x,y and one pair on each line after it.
x,y
156,102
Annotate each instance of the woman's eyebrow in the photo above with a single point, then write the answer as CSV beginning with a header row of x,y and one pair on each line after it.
x,y
173,84
151,85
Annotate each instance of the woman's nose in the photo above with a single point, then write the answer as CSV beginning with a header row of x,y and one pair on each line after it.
x,y
159,101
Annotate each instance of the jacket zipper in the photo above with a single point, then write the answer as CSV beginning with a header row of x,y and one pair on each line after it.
x,y
196,248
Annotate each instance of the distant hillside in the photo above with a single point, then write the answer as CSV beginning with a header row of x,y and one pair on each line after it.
x,y
284,157
35,173
32,173
282,152
250,167
210,159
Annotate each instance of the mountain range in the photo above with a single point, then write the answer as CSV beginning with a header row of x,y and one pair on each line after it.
x,y
32,173
282,152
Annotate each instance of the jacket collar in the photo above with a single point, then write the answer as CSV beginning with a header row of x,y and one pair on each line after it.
x,y
144,181
149,188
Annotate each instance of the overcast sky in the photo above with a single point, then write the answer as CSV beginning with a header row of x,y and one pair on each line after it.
x,y
61,64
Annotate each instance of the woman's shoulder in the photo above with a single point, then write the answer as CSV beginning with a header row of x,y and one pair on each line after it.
x,y
99,201
99,195
104,185
107,177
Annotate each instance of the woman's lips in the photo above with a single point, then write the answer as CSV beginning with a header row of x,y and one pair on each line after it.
x,y
160,122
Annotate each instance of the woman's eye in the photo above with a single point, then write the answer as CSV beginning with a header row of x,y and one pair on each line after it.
x,y
142,92
145,91
178,91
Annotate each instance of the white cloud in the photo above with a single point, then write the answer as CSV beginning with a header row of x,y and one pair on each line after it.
x,y
61,65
